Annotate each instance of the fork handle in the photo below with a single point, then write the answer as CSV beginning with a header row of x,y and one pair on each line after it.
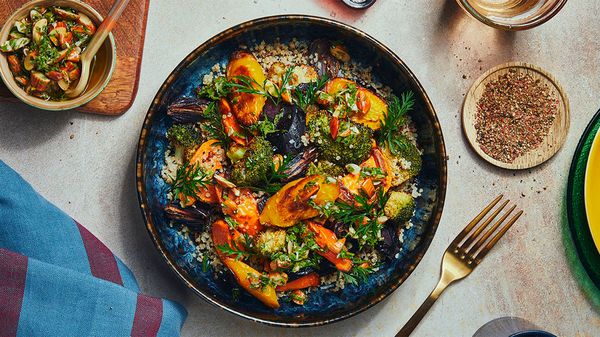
x,y
416,318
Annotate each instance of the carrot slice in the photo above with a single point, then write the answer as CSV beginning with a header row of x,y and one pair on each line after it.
x,y
309,280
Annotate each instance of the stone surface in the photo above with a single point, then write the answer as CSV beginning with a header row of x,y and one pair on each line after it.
x,y
85,163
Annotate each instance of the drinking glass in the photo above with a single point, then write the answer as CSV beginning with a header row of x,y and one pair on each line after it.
x,y
512,14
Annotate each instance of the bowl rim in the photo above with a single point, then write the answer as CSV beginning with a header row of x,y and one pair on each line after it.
x,y
67,104
464,4
231,32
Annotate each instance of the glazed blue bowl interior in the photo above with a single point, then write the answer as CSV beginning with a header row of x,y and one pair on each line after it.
x,y
322,306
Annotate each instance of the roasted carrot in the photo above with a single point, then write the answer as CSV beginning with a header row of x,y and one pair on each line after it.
x,y
326,239
231,126
309,280
342,264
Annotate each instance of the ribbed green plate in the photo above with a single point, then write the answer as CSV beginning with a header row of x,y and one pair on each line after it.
x,y
580,248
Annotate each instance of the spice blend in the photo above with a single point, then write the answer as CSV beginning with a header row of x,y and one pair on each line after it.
x,y
514,114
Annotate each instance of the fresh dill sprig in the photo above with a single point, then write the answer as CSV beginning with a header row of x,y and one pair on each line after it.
x,y
188,180
394,121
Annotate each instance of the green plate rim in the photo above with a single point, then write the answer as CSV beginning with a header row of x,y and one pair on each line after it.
x,y
580,231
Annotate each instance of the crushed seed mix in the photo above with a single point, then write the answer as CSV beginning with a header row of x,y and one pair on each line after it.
x,y
514,115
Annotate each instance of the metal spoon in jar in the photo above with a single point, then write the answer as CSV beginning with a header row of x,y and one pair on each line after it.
x,y
95,43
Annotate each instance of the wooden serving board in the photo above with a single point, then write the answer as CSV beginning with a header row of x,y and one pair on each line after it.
x,y
556,135
129,34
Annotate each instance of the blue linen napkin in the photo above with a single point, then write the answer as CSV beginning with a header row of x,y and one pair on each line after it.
x,y
58,279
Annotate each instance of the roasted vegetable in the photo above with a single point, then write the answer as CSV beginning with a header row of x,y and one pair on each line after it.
x,y
207,159
326,238
325,168
407,164
289,127
299,297
210,156
240,205
249,278
192,216
322,59
254,165
298,165
292,203
14,64
270,242
246,107
230,125
286,79
39,82
306,281
361,105
188,110
375,170
400,206
184,135
352,145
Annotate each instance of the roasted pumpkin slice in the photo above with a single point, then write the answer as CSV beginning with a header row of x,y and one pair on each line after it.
x,y
244,274
291,203
371,109
246,107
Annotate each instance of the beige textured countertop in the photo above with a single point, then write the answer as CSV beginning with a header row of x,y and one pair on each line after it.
x,y
85,163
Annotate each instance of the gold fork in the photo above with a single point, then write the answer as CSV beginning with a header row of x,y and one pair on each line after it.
x,y
464,254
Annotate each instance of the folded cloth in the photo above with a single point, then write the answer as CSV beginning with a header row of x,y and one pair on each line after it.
x,y
58,279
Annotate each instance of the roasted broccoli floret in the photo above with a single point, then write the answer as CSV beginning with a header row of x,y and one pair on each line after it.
x,y
352,143
184,135
406,162
325,168
400,206
254,165
270,242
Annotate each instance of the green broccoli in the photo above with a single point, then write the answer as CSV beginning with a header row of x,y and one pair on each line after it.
x,y
411,156
325,168
254,165
184,135
352,144
270,242
399,206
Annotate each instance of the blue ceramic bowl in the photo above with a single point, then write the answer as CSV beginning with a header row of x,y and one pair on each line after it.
x,y
323,306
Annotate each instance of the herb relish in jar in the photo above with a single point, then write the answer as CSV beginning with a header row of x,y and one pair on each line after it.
x,y
44,50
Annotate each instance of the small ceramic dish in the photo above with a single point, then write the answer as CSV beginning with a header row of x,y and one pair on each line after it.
x,y
102,67
512,15
557,134
178,251
592,191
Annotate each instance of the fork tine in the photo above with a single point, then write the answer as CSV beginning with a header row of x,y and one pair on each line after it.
x,y
497,237
490,231
476,220
483,225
